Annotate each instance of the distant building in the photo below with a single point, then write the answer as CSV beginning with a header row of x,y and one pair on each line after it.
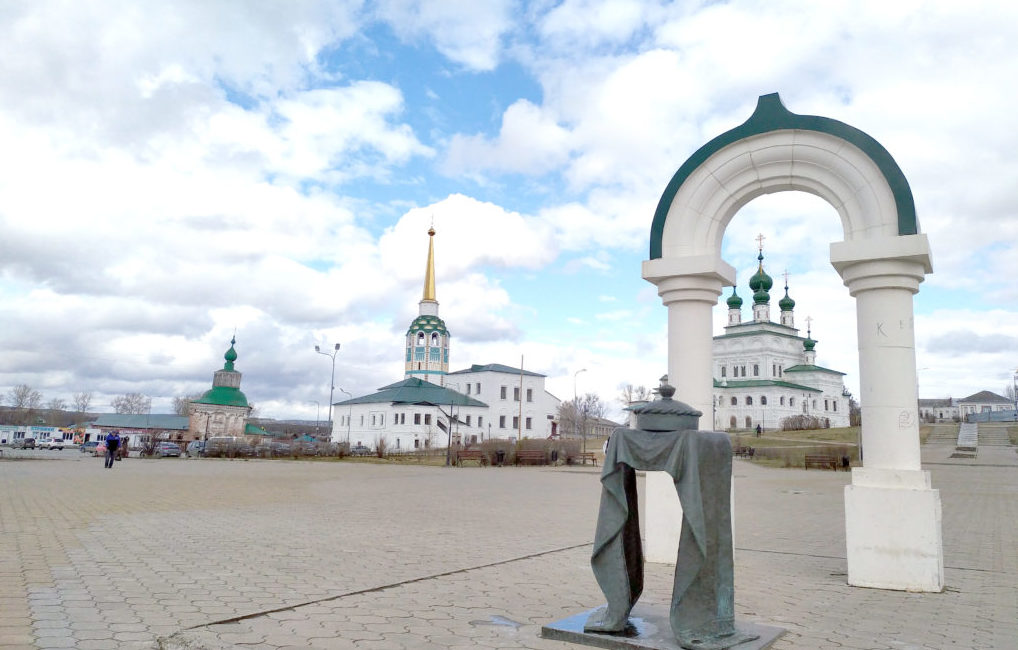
x,y
223,410
765,372
950,409
432,407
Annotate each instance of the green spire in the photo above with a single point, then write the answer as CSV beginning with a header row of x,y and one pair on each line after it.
x,y
231,354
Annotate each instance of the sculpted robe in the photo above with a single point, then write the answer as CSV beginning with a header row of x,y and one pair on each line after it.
x,y
700,462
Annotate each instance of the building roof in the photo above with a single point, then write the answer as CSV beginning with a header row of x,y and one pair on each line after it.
x,y
414,391
756,383
142,421
223,396
936,403
497,367
985,397
255,430
804,367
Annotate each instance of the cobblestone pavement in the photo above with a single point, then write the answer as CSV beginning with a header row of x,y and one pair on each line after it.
x,y
178,553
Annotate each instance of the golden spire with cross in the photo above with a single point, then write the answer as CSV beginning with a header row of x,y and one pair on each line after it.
x,y
809,326
429,273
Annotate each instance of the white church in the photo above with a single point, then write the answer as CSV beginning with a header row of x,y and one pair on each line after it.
x,y
432,407
765,372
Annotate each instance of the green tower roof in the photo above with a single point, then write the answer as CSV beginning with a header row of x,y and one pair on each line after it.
x,y
734,301
427,324
761,283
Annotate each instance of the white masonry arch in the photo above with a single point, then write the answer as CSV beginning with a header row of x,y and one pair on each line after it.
x,y
892,515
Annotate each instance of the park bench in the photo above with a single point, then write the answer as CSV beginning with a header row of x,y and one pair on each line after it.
x,y
743,452
535,456
822,462
583,457
471,454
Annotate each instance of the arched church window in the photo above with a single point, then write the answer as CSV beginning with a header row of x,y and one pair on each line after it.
x,y
749,422
434,339
732,422
782,400
735,401
420,338
756,369
749,400
763,400
791,401
724,371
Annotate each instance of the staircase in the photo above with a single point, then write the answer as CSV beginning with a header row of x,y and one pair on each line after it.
x,y
993,437
943,435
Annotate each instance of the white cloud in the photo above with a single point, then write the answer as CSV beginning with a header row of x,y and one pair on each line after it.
x,y
466,32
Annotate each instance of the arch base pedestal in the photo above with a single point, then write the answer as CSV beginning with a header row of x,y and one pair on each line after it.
x,y
893,531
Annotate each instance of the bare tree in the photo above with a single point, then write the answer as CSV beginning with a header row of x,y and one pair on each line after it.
x,y
25,401
629,394
56,407
182,404
132,403
574,415
82,401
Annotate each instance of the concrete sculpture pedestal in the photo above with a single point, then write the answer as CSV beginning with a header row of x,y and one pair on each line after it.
x,y
650,631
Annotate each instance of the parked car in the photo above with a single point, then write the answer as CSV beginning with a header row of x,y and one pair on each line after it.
x,y
195,448
89,447
166,449
24,443
51,443
360,450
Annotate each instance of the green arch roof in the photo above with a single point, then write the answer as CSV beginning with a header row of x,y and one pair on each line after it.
x,y
771,115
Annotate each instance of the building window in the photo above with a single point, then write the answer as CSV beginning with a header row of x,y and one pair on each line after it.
x,y
756,369
417,443
502,395
420,339
417,418
362,420
791,401
732,422
814,405
427,418
397,442
749,422
735,401
724,370
480,420
372,420
501,422
516,393
468,420
478,391
827,405
835,405
743,370
749,400
763,400
528,423
516,422
782,400
468,389
530,394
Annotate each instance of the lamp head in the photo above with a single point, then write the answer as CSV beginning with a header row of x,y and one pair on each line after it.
x,y
337,346
317,349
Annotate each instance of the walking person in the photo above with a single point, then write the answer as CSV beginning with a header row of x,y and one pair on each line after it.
x,y
112,445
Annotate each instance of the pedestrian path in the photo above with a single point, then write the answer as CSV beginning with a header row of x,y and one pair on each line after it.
x,y
268,555
968,436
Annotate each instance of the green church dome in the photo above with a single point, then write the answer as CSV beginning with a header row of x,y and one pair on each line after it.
x,y
786,303
223,396
761,283
734,301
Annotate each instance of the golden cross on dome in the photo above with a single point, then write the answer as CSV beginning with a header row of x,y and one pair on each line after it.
x,y
760,240
786,278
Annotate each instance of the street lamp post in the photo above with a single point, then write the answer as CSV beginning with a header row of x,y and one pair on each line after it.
x,y
349,415
332,383
1015,395
576,410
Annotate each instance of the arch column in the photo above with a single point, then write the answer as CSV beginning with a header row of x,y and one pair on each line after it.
x,y
892,515
689,287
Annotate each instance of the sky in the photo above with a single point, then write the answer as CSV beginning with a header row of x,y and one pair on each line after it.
x,y
176,173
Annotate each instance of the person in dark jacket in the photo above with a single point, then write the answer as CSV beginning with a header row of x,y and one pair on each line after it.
x,y
112,445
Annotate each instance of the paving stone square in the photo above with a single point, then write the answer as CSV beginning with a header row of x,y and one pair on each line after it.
x,y
187,553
